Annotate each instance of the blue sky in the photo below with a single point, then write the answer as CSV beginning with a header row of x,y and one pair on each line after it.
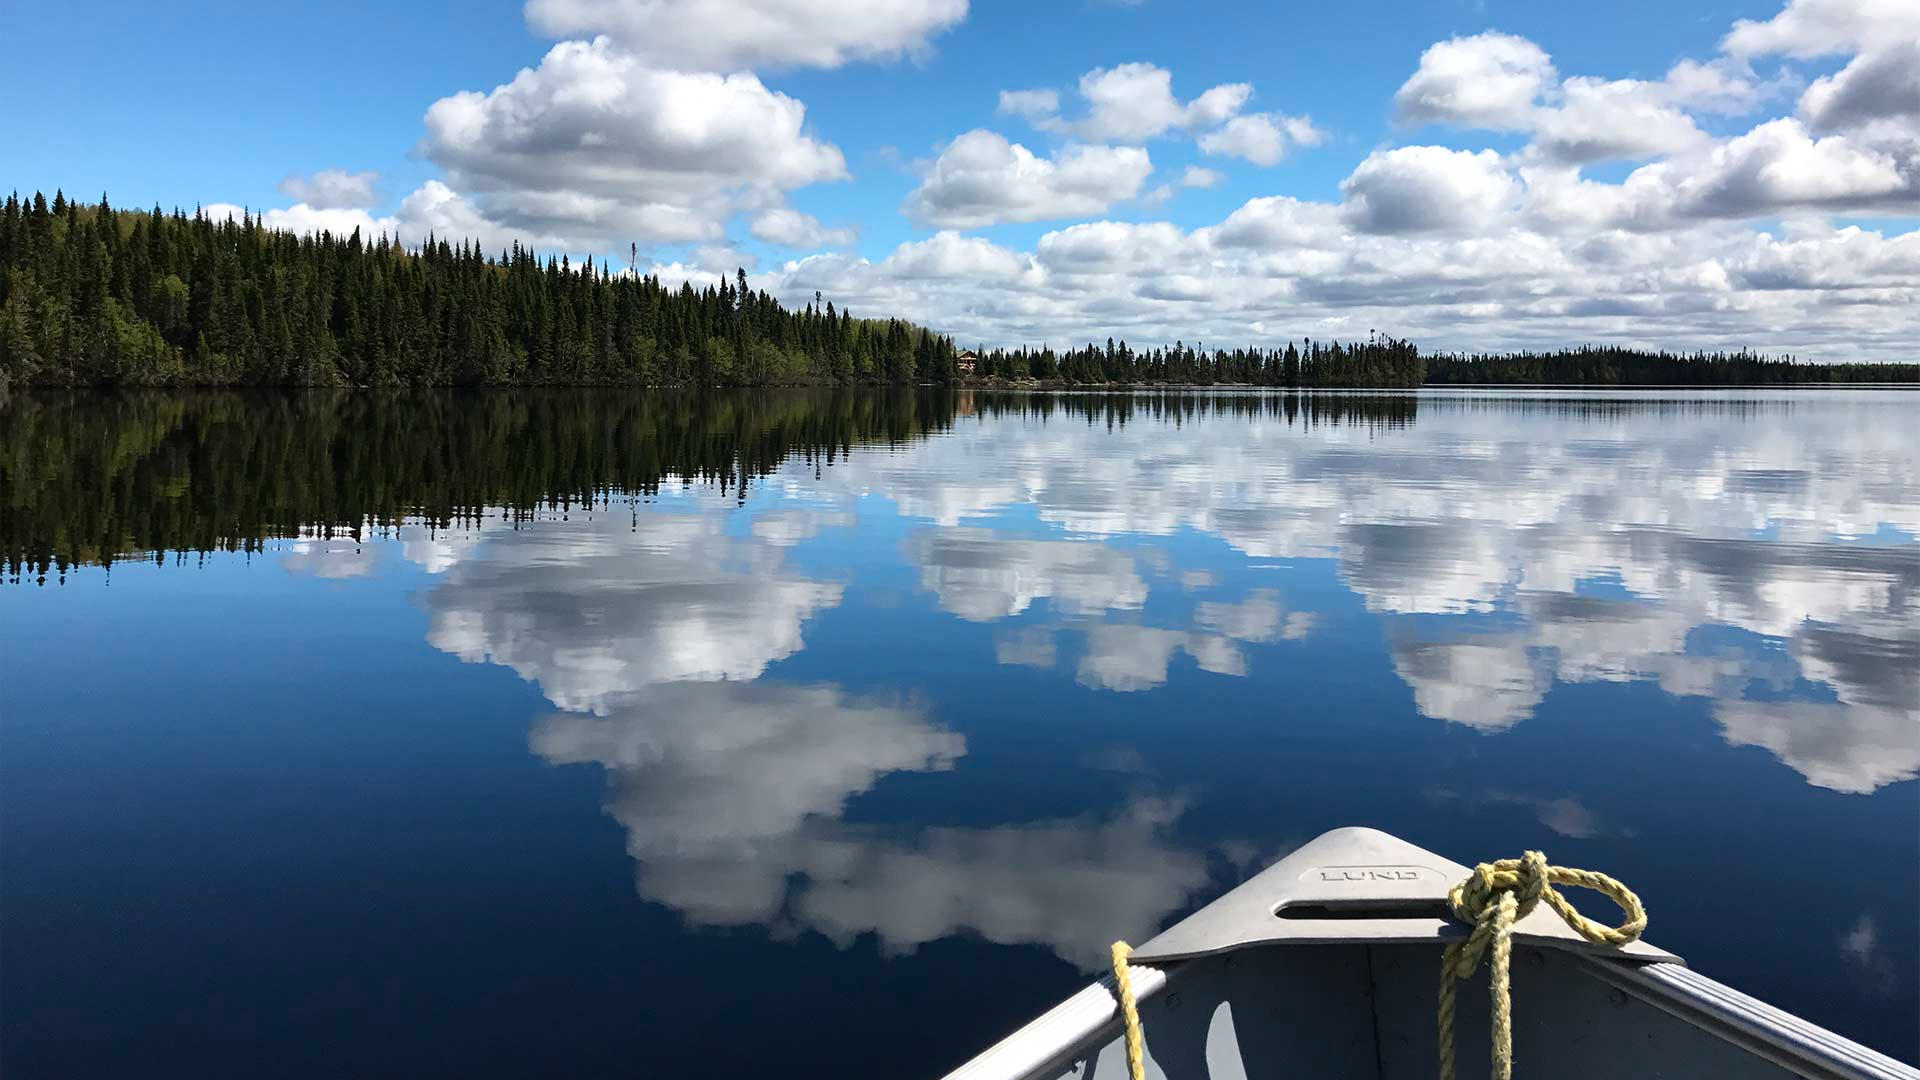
x,y
246,93
221,104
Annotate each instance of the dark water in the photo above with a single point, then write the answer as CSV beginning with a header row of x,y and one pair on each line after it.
x,y
837,734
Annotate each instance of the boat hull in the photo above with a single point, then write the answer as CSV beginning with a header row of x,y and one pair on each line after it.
x,y
1349,1011
1327,964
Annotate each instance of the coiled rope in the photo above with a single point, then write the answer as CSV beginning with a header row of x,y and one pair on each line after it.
x,y
1492,899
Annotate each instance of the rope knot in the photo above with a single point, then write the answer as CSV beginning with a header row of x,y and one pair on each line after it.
x,y
1525,879
1491,900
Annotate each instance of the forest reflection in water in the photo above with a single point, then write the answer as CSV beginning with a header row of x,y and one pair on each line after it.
x,y
1022,670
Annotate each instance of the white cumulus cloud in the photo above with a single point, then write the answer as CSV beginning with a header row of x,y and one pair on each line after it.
x,y
726,35
1822,27
1883,84
596,146
1040,106
788,227
1418,189
1601,120
1196,176
1488,80
1262,138
1779,166
332,189
982,179
1132,102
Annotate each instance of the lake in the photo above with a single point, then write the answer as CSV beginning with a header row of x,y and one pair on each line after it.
x,y
838,733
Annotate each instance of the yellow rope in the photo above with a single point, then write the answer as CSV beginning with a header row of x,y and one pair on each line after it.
x,y
1492,898
1123,983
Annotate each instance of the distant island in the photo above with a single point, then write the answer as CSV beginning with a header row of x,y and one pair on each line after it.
x,y
93,296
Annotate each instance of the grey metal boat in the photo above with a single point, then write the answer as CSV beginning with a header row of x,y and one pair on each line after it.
x,y
1327,963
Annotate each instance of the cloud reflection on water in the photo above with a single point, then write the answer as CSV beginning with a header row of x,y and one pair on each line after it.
x,y
982,576
652,634
593,609
1768,568
1614,536
732,796
1610,538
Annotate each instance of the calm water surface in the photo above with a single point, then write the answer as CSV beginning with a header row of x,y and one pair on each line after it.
x,y
657,735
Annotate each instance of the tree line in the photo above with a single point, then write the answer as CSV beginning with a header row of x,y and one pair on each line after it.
x,y
91,296
1381,362
88,478
1604,365
94,296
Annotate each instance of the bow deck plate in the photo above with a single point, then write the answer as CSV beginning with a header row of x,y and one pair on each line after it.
x,y
1355,886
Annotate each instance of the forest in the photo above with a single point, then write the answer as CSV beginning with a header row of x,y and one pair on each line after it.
x,y
1380,363
1596,365
91,296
